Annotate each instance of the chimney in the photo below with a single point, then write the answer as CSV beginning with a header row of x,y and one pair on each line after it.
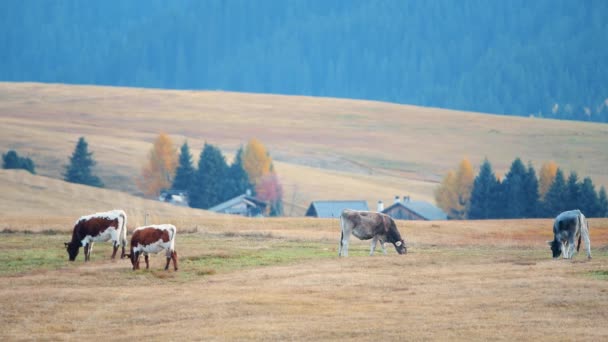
x,y
380,206
396,199
248,192
406,199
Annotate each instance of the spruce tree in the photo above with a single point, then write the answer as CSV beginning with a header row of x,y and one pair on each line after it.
x,y
589,202
573,192
556,198
12,160
209,180
515,190
184,174
484,196
238,180
79,169
531,193
602,203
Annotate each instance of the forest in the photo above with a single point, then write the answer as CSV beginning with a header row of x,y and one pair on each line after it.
x,y
540,58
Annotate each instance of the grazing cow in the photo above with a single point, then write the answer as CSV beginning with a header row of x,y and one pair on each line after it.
x,y
569,226
110,225
367,225
153,239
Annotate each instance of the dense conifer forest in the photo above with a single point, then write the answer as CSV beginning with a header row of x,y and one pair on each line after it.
x,y
544,58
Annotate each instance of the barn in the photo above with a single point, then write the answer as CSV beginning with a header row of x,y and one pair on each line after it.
x,y
414,210
244,205
329,209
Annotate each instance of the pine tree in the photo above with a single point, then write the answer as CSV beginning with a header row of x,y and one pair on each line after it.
x,y
602,203
238,181
209,179
79,170
158,172
573,192
484,195
515,190
184,174
556,198
12,160
589,202
532,203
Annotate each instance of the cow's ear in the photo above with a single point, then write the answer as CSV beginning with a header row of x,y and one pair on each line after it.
x,y
66,244
549,243
398,243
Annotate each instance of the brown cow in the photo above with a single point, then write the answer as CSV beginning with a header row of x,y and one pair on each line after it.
x,y
367,225
153,239
111,225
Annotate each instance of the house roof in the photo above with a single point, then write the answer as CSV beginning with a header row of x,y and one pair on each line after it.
x,y
334,208
424,209
236,200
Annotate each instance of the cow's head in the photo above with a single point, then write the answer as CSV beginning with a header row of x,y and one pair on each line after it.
x,y
400,247
133,256
72,249
556,248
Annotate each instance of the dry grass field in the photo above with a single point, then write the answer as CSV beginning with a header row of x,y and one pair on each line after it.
x,y
324,148
280,279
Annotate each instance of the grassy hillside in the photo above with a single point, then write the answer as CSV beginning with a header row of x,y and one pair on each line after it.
x,y
324,148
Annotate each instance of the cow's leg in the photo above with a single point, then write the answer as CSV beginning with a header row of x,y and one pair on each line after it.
x,y
383,244
344,237
564,251
136,258
585,234
115,250
373,246
174,257
146,259
87,247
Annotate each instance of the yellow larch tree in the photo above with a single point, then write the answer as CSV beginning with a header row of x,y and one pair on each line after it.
x,y
546,177
157,174
256,161
454,193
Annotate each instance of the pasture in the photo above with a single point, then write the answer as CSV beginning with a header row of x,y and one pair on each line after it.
x,y
323,148
280,279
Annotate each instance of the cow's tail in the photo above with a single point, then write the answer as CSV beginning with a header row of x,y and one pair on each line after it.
x,y
581,222
341,235
123,228
173,231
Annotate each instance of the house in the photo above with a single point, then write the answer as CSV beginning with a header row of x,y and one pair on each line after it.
x,y
176,197
414,210
328,209
244,205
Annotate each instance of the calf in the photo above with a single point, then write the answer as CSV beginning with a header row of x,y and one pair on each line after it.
x,y
111,225
568,227
153,239
367,225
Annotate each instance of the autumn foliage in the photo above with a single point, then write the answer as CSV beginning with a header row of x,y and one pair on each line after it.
x,y
454,192
158,172
546,176
256,161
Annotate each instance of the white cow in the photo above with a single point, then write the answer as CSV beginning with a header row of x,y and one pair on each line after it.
x,y
568,227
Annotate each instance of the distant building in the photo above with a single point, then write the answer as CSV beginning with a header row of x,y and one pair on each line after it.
x,y
176,197
329,209
244,205
414,210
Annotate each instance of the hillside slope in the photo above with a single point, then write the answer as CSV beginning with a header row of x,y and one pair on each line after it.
x,y
324,148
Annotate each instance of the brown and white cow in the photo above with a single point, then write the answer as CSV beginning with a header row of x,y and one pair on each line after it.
x,y
153,239
110,225
367,225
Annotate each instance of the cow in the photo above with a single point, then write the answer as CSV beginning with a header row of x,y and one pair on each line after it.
x,y
153,239
367,225
567,227
110,225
